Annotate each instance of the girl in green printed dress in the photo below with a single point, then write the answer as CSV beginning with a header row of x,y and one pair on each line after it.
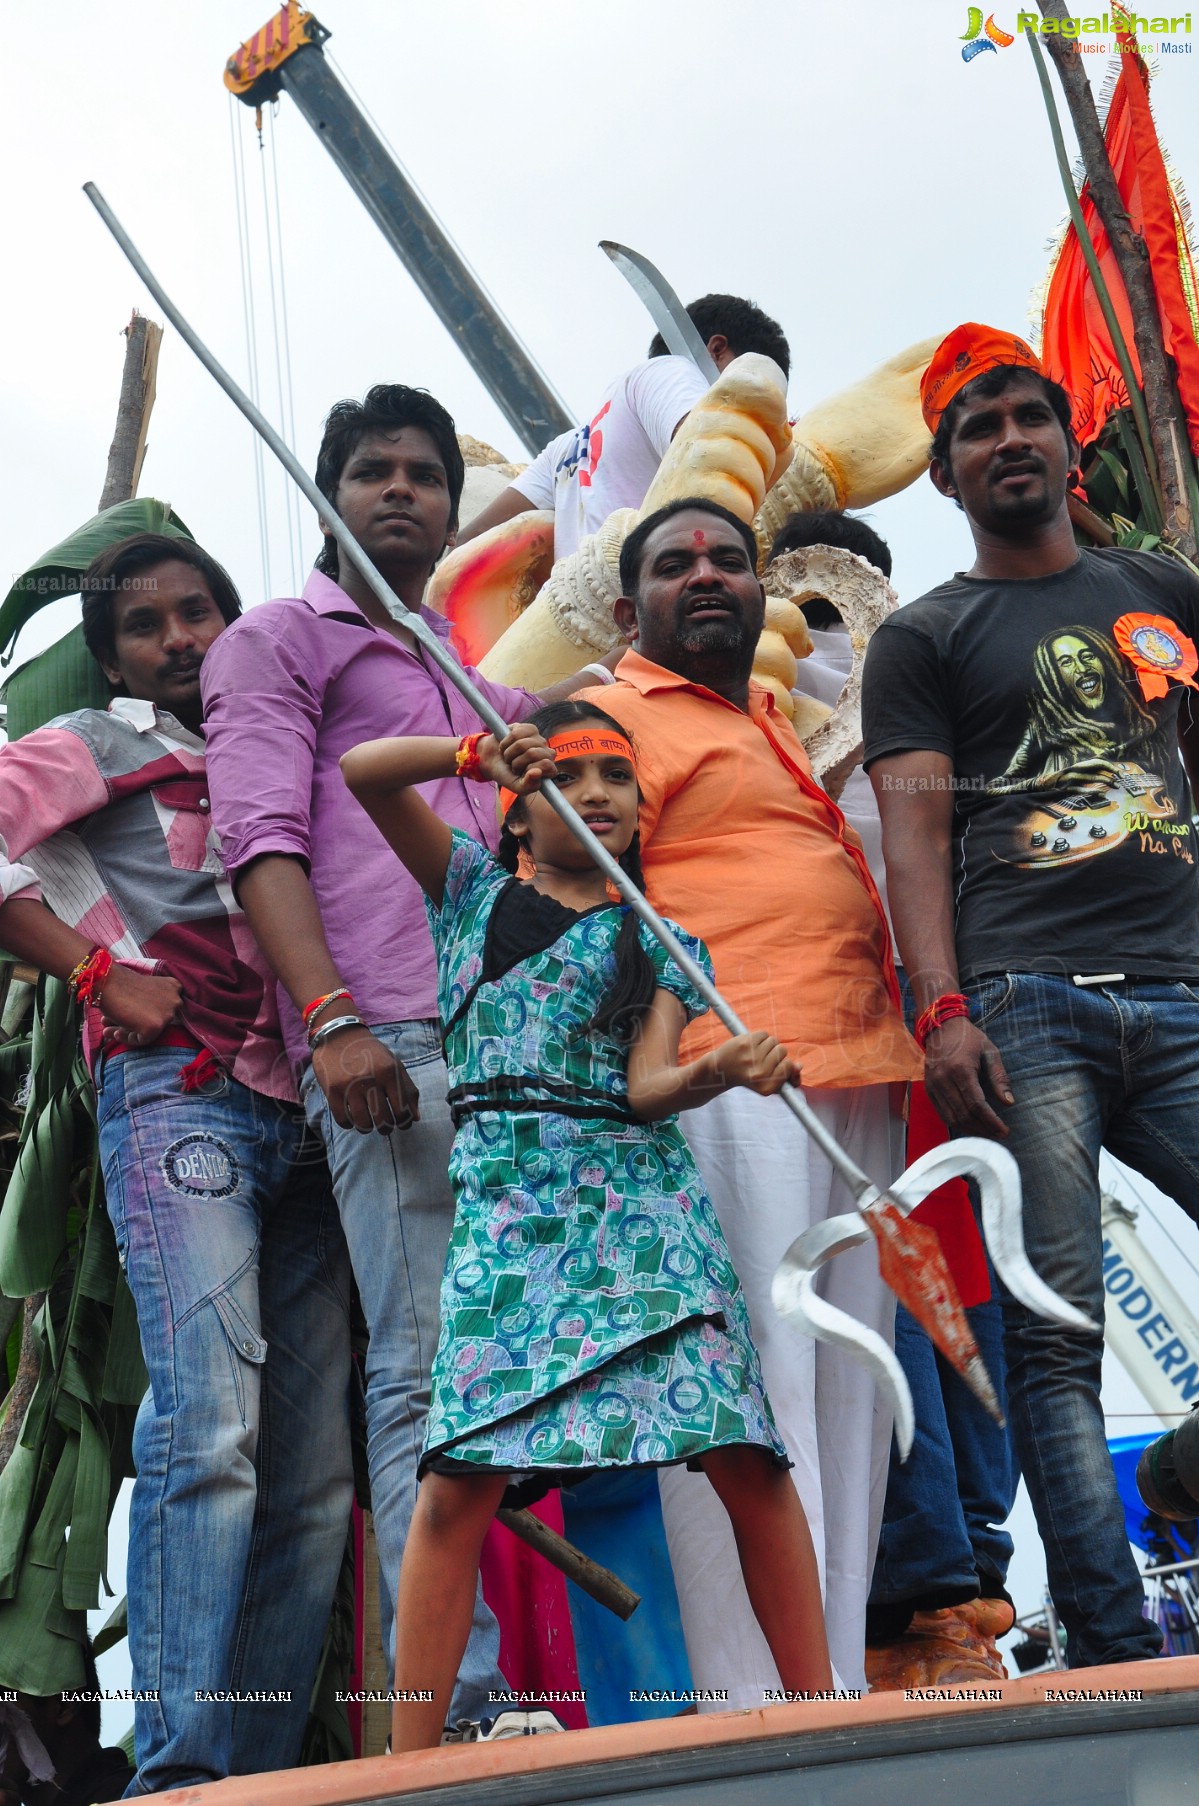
x,y
590,1316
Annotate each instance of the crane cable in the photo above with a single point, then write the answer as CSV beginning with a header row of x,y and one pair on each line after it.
x,y
389,147
287,430
250,324
288,412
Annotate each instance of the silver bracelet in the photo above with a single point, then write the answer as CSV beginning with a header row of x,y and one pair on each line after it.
x,y
601,671
328,1029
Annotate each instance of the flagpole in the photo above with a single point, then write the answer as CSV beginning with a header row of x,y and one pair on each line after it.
x,y
1163,408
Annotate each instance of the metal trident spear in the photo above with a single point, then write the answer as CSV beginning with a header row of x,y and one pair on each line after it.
x,y
909,1254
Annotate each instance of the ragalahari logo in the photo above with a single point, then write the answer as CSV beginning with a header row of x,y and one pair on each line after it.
x,y
978,37
1173,33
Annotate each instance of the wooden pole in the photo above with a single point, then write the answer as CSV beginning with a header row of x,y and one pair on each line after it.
x,y
1166,425
120,485
128,447
600,1583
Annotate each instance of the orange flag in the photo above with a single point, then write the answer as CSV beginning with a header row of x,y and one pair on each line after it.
x,y
1076,349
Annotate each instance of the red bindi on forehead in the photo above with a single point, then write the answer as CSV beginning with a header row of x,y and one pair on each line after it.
x,y
699,538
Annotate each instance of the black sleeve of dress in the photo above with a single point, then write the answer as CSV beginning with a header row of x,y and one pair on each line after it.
x,y
906,705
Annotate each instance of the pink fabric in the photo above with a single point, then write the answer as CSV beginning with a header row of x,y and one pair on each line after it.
x,y
47,779
288,689
532,1608
111,815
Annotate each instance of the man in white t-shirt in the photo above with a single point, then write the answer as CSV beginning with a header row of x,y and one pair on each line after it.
x,y
609,462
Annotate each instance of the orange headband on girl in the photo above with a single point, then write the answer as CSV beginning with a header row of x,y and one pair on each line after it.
x,y
589,743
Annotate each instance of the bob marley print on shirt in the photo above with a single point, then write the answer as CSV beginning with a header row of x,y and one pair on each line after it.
x,y
1058,701
1093,759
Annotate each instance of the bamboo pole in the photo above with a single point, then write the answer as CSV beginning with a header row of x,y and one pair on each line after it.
x,y
1145,465
1166,426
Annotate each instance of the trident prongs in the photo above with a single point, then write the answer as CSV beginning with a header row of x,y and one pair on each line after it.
x,y
798,1303
998,1179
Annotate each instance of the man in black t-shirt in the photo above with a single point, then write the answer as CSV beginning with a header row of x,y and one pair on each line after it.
x,y
1023,724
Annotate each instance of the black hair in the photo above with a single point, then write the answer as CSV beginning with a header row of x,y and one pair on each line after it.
x,y
832,527
385,409
741,322
985,388
634,545
118,565
631,992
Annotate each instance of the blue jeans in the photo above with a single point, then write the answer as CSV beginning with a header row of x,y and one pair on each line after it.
x,y
941,1543
941,1540
227,1233
1117,1067
397,1209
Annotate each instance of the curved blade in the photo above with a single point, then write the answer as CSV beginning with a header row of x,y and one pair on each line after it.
x,y
665,309
998,1179
798,1303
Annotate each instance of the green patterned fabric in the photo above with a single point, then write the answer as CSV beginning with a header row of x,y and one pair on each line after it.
x,y
590,1315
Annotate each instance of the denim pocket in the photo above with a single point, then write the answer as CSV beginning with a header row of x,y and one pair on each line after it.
x,y
414,1044
245,1344
991,996
1186,993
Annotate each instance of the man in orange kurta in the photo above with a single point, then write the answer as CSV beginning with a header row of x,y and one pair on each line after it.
x,y
743,847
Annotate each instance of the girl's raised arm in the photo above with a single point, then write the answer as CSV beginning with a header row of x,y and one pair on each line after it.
x,y
659,1086
381,774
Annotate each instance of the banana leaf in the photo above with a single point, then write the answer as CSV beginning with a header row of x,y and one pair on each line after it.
x,y
58,571
114,1629
33,1216
59,1485
63,678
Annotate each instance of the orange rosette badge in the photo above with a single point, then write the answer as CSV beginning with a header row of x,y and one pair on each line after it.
x,y
1158,651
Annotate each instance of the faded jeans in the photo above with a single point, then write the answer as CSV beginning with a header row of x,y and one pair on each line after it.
x,y
227,1231
1113,1066
397,1209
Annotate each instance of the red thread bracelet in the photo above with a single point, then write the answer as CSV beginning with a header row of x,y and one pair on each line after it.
x,y
318,1003
90,975
466,759
941,1010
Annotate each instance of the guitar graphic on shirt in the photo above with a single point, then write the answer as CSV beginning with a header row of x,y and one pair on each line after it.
x,y
1091,818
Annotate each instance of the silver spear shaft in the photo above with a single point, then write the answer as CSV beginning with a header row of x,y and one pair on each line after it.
x,y
864,1189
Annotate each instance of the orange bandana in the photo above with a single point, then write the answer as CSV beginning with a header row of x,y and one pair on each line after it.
x,y
585,743
965,354
1158,650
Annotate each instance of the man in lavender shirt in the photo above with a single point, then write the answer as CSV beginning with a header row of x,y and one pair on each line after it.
x,y
288,688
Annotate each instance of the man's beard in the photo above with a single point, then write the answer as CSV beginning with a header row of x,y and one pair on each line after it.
x,y
730,642
1035,504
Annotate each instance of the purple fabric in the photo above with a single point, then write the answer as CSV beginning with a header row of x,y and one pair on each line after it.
x,y
288,688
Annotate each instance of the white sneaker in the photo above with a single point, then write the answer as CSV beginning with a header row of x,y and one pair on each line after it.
x,y
518,1724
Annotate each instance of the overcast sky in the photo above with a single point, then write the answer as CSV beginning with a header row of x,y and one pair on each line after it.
x,y
842,166
839,164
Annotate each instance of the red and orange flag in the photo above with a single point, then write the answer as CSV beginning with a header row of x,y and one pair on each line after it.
x,y
1076,347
